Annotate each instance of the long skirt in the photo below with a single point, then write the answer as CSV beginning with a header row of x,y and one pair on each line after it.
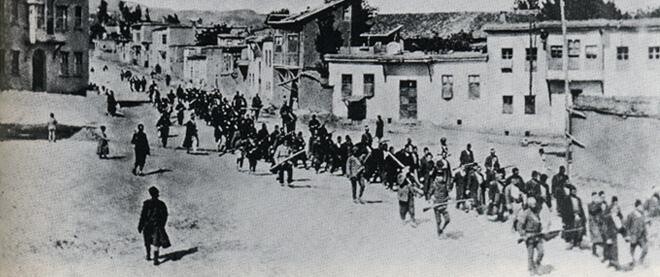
x,y
102,148
156,236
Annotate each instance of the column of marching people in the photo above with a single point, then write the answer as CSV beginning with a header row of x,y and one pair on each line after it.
x,y
487,189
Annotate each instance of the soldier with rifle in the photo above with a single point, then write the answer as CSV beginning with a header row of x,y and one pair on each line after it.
x,y
530,230
439,191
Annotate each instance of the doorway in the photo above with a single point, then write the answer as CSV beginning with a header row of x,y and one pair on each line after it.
x,y
408,100
39,70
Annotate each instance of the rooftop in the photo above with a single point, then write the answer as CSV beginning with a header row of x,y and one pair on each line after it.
x,y
646,23
407,57
426,25
306,15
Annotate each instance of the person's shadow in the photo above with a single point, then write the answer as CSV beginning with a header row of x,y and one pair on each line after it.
x,y
177,255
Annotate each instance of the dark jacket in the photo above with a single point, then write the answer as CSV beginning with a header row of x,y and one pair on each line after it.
x,y
141,143
379,128
467,157
152,223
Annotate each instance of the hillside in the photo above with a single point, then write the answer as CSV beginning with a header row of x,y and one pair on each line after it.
x,y
244,17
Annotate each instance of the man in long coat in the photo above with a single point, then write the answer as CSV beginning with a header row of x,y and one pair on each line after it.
x,y
141,149
152,225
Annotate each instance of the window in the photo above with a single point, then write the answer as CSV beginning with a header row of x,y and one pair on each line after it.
x,y
346,85
447,87
654,53
2,12
348,13
622,53
507,53
61,14
77,63
573,48
14,11
530,104
556,51
64,63
78,19
507,104
2,59
278,44
591,52
293,44
15,54
164,38
137,38
368,85
474,90
40,16
530,54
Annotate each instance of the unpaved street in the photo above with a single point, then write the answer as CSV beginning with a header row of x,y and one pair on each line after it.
x,y
64,212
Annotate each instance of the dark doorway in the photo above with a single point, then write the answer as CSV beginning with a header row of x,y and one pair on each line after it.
x,y
39,70
408,100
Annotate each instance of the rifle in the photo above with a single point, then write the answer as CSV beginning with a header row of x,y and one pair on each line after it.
x,y
549,234
445,204
272,168
463,166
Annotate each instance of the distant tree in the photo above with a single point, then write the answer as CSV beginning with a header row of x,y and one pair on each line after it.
x,y
210,36
147,17
363,20
581,10
102,15
96,31
128,18
328,40
171,19
648,13
281,11
137,13
527,4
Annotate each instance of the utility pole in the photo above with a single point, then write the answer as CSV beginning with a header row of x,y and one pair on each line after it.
x,y
567,94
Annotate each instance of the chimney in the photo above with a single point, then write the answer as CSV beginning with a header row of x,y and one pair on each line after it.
x,y
502,17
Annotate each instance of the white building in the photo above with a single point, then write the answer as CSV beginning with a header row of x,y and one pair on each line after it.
x,y
514,88
259,75
163,55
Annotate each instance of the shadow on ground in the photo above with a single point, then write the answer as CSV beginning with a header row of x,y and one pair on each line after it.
x,y
35,131
177,255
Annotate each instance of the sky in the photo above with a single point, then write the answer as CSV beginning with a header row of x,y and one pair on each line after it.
x,y
385,6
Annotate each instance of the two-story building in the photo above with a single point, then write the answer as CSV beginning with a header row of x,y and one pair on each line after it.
x,y
605,58
409,87
211,66
141,39
44,45
516,88
164,58
259,74
296,62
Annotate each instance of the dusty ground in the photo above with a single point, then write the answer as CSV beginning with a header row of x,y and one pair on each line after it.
x,y
64,212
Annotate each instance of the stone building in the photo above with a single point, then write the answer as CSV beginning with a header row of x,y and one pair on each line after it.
x,y
296,62
44,45
164,58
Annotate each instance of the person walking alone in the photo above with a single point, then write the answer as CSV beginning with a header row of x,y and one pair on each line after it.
x,y
354,172
152,225
141,150
52,125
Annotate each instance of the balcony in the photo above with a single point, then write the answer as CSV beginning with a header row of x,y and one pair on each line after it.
x,y
41,36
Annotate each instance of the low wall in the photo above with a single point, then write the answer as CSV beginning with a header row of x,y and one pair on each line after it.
x,y
622,138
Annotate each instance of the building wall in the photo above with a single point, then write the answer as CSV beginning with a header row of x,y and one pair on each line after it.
x,y
174,36
21,33
106,49
550,112
639,76
311,94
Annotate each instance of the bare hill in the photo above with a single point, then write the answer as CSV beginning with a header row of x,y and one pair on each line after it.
x,y
243,17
